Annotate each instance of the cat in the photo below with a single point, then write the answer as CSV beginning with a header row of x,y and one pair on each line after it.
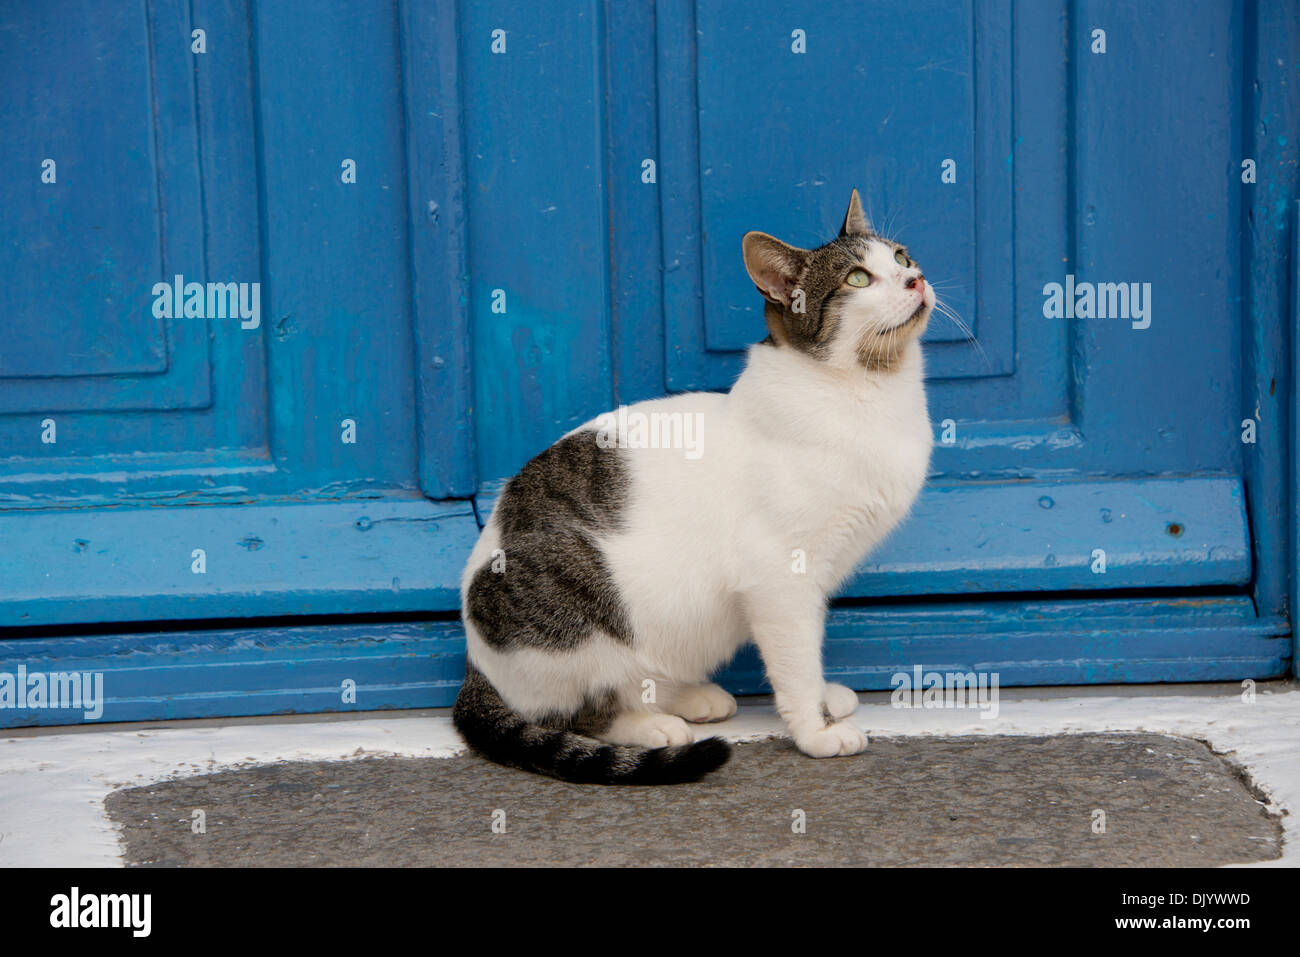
x,y
611,581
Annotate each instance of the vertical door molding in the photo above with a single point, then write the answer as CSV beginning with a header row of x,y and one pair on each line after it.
x,y
439,261
1271,33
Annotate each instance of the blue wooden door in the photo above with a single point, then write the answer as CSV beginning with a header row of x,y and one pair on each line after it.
x,y
167,455
469,227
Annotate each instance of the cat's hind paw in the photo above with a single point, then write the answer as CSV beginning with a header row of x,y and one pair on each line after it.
x,y
703,703
648,729
840,701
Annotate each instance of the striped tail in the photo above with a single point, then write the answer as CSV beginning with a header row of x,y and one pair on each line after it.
x,y
499,734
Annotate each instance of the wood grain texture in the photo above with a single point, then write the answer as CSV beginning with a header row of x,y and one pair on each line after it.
x,y
439,268
522,171
104,565
273,670
1267,231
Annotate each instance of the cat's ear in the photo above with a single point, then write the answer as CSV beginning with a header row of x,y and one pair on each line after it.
x,y
774,266
855,221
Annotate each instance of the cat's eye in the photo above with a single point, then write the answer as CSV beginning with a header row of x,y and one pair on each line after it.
x,y
858,277
900,257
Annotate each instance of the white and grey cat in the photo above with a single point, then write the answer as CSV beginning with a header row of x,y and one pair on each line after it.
x,y
603,566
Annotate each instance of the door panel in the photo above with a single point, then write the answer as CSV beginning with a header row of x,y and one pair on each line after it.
x,y
60,275
142,564
222,166
83,241
1050,394
538,261
823,121
1033,395
966,537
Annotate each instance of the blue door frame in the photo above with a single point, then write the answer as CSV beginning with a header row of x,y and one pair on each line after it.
x,y
524,268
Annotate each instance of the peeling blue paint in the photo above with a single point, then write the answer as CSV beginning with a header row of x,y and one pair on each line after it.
x,y
522,172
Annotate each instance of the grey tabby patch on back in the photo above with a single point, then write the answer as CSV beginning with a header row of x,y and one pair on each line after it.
x,y
555,588
801,287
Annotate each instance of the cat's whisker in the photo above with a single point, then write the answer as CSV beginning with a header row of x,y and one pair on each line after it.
x,y
945,310
956,320
887,231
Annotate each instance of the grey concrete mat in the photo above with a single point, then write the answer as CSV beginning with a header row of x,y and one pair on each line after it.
x,y
1108,800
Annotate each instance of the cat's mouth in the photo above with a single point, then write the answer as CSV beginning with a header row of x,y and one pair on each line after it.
x,y
919,313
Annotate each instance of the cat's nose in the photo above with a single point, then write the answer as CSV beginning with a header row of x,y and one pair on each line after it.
x,y
917,283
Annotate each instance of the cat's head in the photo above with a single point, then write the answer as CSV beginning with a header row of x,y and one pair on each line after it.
x,y
856,301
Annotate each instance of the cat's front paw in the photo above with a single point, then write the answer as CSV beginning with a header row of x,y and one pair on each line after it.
x,y
832,741
840,701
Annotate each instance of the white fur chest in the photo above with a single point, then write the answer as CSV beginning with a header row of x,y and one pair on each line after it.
x,y
843,460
